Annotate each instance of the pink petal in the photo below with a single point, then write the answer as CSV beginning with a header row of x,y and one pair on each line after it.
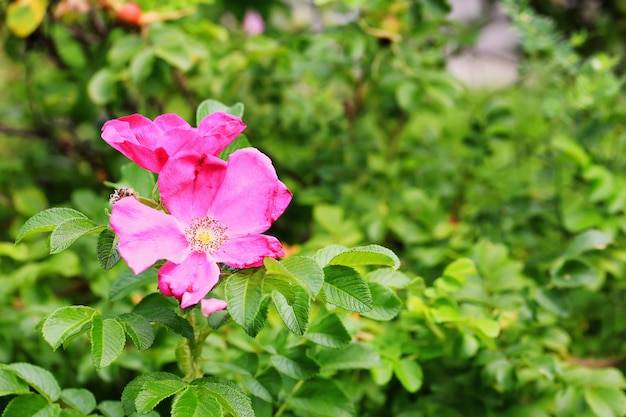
x,y
219,129
211,305
136,137
251,197
188,183
147,235
189,281
166,122
249,251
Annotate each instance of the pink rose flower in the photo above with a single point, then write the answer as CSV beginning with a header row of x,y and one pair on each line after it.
x,y
150,143
217,214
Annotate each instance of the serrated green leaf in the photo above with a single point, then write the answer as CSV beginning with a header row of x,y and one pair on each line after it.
x,y
111,408
344,287
47,220
386,306
322,398
154,391
367,255
30,405
66,322
69,230
133,388
128,282
244,296
352,356
301,270
326,254
138,328
10,384
40,379
294,311
211,106
106,249
170,319
267,385
79,398
190,403
230,397
329,332
409,373
107,341
295,364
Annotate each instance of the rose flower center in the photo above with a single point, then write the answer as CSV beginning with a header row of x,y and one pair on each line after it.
x,y
205,234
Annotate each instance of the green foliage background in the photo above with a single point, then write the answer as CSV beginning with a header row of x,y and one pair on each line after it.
x,y
379,145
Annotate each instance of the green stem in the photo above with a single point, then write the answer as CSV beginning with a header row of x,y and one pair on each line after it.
x,y
283,407
191,354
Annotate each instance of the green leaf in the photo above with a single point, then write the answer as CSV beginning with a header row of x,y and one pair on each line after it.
x,y
107,341
138,328
326,254
589,240
142,65
190,403
573,273
111,408
47,220
124,49
139,179
66,322
24,17
367,255
409,373
211,106
389,278
244,296
28,201
345,288
30,405
101,87
79,398
156,308
128,282
296,364
606,401
69,230
10,384
134,387
352,356
154,391
40,379
386,306
322,398
266,386
489,328
230,397
301,270
240,142
293,311
106,249
329,332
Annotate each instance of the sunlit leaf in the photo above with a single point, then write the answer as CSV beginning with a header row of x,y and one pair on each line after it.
x,y
66,322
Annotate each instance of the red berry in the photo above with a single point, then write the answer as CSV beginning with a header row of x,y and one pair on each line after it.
x,y
129,13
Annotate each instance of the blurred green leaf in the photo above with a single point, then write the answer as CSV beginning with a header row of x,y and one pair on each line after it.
x,y
322,398
410,374
209,106
79,398
40,379
329,332
10,384
101,87
386,304
30,405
